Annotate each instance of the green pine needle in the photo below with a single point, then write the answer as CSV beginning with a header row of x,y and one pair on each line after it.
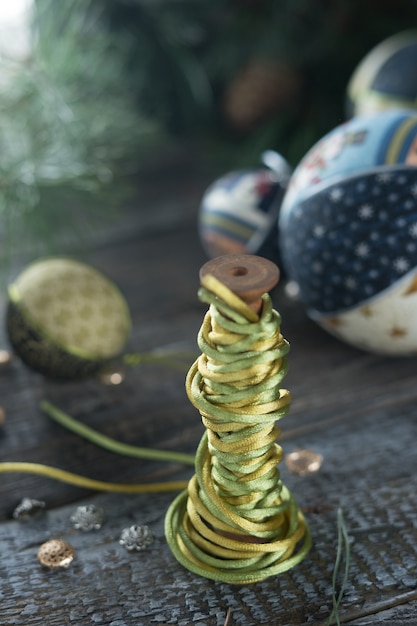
x,y
343,550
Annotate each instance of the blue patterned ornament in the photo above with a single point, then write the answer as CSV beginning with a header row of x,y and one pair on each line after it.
x,y
386,78
238,212
348,232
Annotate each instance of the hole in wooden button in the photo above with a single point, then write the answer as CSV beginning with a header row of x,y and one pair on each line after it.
x,y
238,271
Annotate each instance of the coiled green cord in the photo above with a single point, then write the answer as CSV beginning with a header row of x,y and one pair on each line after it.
x,y
236,522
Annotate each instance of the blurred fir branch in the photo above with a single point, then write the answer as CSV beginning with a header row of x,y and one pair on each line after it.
x,y
67,122
165,41
193,63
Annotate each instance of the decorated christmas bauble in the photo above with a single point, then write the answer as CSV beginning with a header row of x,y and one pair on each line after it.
x,y
386,78
238,212
348,232
65,319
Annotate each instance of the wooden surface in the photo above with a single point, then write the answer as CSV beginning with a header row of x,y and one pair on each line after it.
x,y
356,409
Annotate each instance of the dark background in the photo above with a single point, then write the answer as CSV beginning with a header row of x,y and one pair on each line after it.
x,y
240,76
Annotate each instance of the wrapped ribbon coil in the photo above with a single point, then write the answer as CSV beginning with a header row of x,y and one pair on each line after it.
x,y
237,522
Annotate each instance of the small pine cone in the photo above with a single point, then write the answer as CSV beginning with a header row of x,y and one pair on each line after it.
x,y
261,89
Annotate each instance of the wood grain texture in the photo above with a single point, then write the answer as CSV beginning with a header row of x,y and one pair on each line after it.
x,y
358,410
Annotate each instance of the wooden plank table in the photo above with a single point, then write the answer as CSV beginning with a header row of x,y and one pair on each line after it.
x,y
356,409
